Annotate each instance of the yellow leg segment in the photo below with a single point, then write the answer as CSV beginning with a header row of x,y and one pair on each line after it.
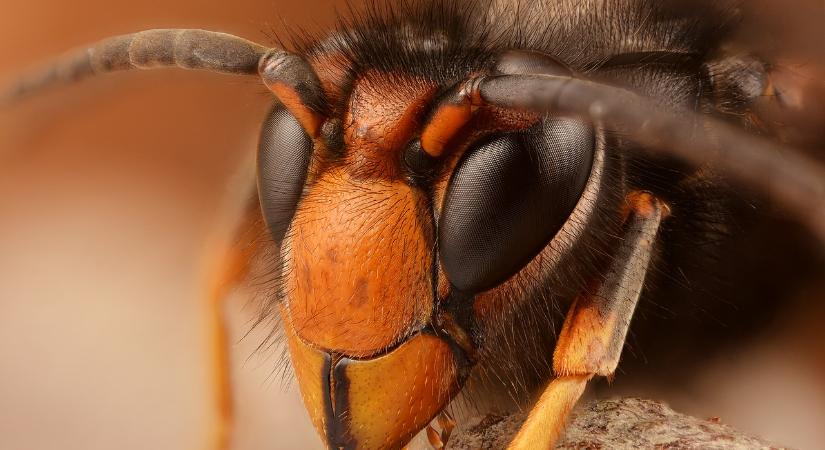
x,y
546,421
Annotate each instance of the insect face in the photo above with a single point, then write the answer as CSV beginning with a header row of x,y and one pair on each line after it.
x,y
408,202
358,263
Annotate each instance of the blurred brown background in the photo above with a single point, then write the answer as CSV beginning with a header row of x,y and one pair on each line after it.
x,y
108,190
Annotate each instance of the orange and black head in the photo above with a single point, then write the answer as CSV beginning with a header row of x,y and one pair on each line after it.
x,y
435,193
408,217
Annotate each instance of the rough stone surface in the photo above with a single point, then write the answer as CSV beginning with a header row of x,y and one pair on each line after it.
x,y
627,423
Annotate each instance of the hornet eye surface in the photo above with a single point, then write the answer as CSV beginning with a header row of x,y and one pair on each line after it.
x,y
508,197
284,153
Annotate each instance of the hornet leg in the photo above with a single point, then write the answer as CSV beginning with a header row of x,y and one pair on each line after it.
x,y
229,265
594,331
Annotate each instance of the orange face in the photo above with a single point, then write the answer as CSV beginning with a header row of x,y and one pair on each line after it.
x,y
380,336
358,266
358,274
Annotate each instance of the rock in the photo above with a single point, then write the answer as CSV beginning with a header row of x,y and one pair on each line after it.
x,y
627,423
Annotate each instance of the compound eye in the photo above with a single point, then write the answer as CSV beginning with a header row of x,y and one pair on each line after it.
x,y
284,152
508,197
